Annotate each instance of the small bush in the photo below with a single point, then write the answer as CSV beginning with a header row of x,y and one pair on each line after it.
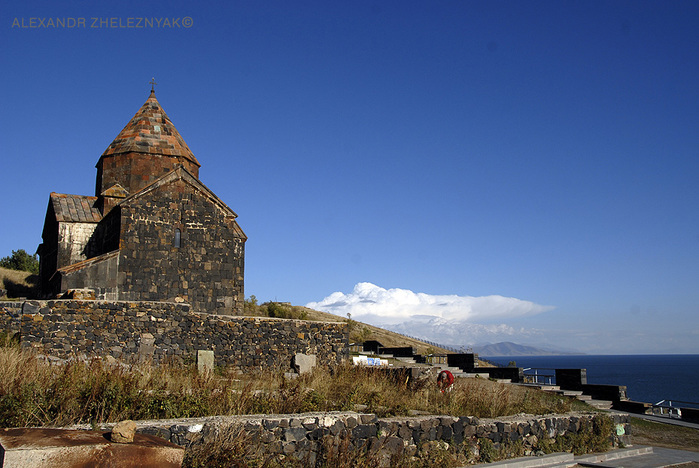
x,y
20,260
287,311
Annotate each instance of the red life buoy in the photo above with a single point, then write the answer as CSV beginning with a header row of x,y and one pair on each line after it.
x,y
445,380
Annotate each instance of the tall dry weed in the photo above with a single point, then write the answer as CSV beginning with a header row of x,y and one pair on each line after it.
x,y
34,392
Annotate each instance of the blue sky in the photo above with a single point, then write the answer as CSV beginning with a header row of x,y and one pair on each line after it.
x,y
468,151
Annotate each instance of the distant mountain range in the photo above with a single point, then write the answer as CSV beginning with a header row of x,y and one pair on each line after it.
x,y
507,348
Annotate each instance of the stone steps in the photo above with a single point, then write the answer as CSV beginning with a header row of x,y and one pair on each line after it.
x,y
552,459
447,367
476,375
406,360
600,404
457,372
613,455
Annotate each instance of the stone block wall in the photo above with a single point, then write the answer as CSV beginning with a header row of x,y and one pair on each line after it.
x,y
605,392
99,272
206,270
164,331
307,435
10,316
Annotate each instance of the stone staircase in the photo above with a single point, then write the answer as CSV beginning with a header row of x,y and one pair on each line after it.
x,y
457,372
599,404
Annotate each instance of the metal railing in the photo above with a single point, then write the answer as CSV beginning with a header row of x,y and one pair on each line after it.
x,y
671,408
539,376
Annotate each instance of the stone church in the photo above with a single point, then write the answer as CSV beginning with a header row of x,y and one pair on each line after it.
x,y
152,232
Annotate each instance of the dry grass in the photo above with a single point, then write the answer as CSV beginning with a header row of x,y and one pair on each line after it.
x,y
645,432
19,283
36,393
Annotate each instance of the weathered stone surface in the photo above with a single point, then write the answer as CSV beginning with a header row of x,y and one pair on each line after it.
x,y
293,434
146,347
83,294
50,448
205,361
123,432
304,363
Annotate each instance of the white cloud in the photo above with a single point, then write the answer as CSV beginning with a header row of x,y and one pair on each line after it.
x,y
469,321
376,305
445,319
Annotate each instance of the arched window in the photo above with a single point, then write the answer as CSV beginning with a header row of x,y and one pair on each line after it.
x,y
178,238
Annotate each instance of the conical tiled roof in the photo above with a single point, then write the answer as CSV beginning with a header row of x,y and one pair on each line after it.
x,y
151,131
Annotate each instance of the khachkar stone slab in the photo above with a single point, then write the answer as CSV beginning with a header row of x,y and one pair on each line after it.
x,y
49,448
205,361
304,363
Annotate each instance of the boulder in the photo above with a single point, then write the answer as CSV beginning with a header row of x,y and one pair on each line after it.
x,y
124,432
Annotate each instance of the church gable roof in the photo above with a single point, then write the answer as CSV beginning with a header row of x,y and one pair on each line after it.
x,y
182,174
151,131
75,208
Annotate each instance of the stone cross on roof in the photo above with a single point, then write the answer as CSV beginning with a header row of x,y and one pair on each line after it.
x,y
152,84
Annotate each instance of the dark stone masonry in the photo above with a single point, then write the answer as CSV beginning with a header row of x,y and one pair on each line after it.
x,y
307,435
163,331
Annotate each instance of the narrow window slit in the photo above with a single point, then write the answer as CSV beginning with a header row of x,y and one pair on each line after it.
x,y
178,238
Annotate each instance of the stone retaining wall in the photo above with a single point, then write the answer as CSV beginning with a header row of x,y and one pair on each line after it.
x,y
307,435
10,316
162,331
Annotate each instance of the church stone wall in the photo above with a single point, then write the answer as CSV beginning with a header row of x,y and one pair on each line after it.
x,y
73,241
170,332
99,275
206,270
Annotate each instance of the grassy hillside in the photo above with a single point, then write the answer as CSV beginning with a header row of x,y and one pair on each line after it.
x,y
359,332
19,283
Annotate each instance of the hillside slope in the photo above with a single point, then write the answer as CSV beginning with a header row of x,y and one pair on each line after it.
x,y
359,332
19,283
507,348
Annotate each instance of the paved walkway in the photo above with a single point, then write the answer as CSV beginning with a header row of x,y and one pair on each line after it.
x,y
631,457
660,419
660,457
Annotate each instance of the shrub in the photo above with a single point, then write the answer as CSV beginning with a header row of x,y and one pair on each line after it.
x,y
20,260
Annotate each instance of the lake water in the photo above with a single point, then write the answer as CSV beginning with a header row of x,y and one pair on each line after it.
x,y
648,378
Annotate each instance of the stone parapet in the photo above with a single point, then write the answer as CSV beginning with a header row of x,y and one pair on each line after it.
x,y
164,331
10,316
307,434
